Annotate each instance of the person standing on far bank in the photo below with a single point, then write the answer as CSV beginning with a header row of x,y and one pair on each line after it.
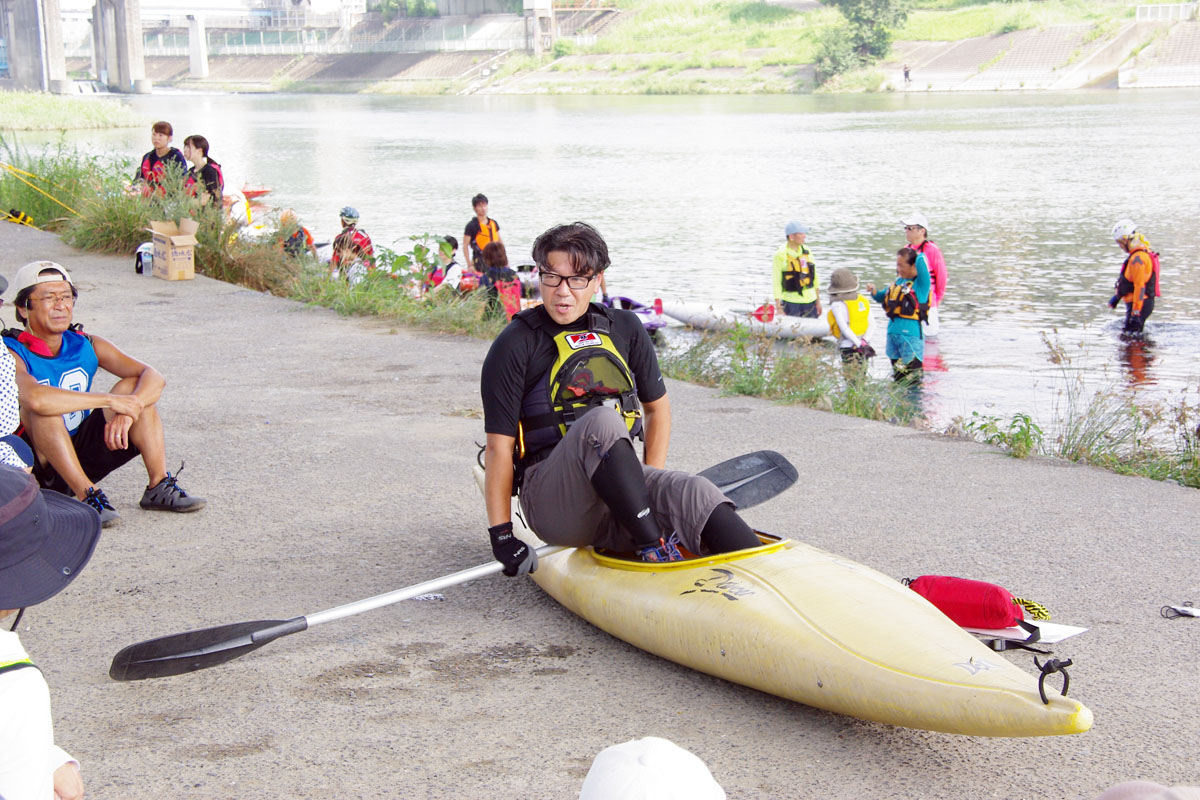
x,y
794,277
481,231
1137,284
916,231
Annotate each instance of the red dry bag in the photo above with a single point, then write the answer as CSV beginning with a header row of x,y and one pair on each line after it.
x,y
971,604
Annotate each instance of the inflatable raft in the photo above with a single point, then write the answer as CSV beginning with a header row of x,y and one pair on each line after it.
x,y
712,318
810,626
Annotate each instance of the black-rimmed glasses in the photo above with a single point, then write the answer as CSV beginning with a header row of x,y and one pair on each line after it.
x,y
573,281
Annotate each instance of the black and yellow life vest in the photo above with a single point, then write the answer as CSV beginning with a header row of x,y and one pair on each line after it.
x,y
588,371
901,302
799,274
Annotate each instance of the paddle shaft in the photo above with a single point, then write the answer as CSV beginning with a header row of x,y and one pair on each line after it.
x,y
416,590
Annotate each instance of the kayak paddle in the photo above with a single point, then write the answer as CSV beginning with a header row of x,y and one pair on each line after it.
x,y
746,480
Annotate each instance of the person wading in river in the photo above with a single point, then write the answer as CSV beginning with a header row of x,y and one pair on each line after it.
x,y
916,231
794,276
566,386
1137,283
481,231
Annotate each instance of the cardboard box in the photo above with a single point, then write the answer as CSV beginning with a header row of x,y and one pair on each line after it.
x,y
174,249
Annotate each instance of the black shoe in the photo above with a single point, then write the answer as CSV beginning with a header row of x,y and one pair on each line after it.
x,y
168,495
99,503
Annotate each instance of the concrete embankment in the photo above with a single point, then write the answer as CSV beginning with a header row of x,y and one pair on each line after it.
x,y
335,454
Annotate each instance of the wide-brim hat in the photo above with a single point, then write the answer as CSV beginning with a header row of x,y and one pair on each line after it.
x,y
843,284
46,538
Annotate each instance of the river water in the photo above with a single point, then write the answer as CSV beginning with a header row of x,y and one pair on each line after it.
x,y
692,194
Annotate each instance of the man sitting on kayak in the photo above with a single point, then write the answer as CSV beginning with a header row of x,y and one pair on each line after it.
x,y
565,388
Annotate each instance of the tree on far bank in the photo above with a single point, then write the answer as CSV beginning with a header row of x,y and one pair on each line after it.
x,y
870,24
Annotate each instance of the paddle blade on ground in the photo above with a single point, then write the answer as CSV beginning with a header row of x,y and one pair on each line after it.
x,y
188,652
753,478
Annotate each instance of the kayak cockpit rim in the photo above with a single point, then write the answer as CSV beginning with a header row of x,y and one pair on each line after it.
x,y
771,544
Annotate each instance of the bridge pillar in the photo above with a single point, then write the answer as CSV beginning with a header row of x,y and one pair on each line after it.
x,y
540,29
36,56
197,47
117,46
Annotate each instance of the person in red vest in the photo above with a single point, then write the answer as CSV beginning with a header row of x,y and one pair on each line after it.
x,y
501,281
353,254
204,180
155,163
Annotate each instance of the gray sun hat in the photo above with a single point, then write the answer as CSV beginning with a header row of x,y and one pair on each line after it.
x,y
45,539
843,284
795,226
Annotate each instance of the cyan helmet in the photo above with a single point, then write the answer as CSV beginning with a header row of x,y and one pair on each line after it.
x,y
348,214
1123,230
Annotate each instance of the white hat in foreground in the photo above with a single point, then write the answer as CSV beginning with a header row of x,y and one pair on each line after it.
x,y
649,769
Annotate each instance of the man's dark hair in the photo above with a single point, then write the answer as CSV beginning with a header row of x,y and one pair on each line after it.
x,y
163,127
494,255
199,142
477,199
909,254
21,301
583,244
450,240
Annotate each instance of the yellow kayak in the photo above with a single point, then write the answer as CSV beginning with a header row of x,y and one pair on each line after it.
x,y
801,623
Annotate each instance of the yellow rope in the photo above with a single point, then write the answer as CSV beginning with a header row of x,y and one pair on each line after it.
x,y
15,172
1036,610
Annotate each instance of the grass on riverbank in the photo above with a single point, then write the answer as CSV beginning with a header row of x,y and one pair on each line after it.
x,y
1108,428
953,20
740,362
52,187
39,111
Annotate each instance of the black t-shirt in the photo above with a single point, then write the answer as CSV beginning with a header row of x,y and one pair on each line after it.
x,y
211,177
520,357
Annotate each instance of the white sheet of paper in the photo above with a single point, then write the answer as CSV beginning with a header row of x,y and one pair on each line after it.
x,y
1052,632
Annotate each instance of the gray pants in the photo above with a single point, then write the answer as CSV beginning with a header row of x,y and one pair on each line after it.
x,y
562,507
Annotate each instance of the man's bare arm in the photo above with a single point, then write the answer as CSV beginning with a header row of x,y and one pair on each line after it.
x,y
657,427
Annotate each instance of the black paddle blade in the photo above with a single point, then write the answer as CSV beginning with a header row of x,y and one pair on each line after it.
x,y
753,478
188,652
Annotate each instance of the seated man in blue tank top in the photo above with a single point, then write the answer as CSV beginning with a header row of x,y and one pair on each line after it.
x,y
56,363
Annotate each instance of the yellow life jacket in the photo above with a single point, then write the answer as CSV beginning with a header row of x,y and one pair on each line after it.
x,y
901,302
799,275
860,317
588,371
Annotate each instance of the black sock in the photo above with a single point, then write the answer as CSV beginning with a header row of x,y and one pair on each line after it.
x,y
725,531
621,484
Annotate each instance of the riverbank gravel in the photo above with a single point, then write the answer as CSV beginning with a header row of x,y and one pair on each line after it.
x,y
335,454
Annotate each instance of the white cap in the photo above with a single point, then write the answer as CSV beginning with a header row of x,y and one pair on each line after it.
x,y
649,769
31,275
915,218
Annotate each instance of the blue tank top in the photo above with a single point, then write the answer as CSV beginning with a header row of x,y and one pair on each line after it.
x,y
73,369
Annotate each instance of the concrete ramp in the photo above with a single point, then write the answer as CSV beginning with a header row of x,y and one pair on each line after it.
x,y
1171,61
1063,57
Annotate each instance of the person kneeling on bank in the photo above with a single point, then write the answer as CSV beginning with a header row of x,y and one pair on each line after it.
x,y
56,363
906,303
566,386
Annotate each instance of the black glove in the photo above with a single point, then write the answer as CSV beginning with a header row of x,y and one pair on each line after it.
x,y
604,298
1112,301
865,350
517,557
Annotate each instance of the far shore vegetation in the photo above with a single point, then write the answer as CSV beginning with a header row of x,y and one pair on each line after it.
x,y
41,111
689,46
85,199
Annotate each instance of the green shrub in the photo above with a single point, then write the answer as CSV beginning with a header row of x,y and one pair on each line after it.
x,y
836,53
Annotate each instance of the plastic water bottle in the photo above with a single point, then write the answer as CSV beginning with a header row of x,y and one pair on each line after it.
x,y
144,259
